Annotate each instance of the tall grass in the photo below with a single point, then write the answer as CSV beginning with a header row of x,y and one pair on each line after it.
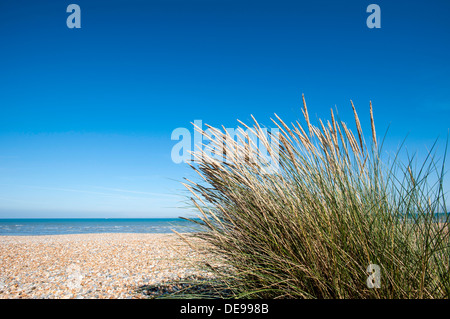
x,y
311,228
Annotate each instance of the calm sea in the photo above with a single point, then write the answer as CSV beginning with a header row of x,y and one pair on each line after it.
x,y
33,227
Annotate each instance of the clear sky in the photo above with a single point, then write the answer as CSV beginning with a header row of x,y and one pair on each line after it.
x,y
86,114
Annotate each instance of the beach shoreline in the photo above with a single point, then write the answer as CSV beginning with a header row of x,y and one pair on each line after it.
x,y
92,266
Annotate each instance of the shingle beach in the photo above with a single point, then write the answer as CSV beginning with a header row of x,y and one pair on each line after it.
x,y
91,265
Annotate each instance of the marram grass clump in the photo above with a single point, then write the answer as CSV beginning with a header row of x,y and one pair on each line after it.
x,y
311,228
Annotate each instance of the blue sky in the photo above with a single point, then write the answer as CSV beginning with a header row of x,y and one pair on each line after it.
x,y
86,114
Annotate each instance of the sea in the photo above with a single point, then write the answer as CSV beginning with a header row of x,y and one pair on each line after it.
x,y
36,227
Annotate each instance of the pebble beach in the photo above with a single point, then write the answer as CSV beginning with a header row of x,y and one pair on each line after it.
x,y
92,266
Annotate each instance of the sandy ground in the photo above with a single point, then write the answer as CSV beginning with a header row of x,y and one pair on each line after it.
x,y
91,265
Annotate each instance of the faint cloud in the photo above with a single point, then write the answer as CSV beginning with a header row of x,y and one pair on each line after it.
x,y
120,190
139,177
68,190
113,192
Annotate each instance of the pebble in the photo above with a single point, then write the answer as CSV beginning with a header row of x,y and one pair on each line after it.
x,y
92,266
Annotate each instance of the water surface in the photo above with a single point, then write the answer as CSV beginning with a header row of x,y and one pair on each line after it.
x,y
33,227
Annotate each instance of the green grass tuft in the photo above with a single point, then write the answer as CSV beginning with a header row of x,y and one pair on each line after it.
x,y
311,228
